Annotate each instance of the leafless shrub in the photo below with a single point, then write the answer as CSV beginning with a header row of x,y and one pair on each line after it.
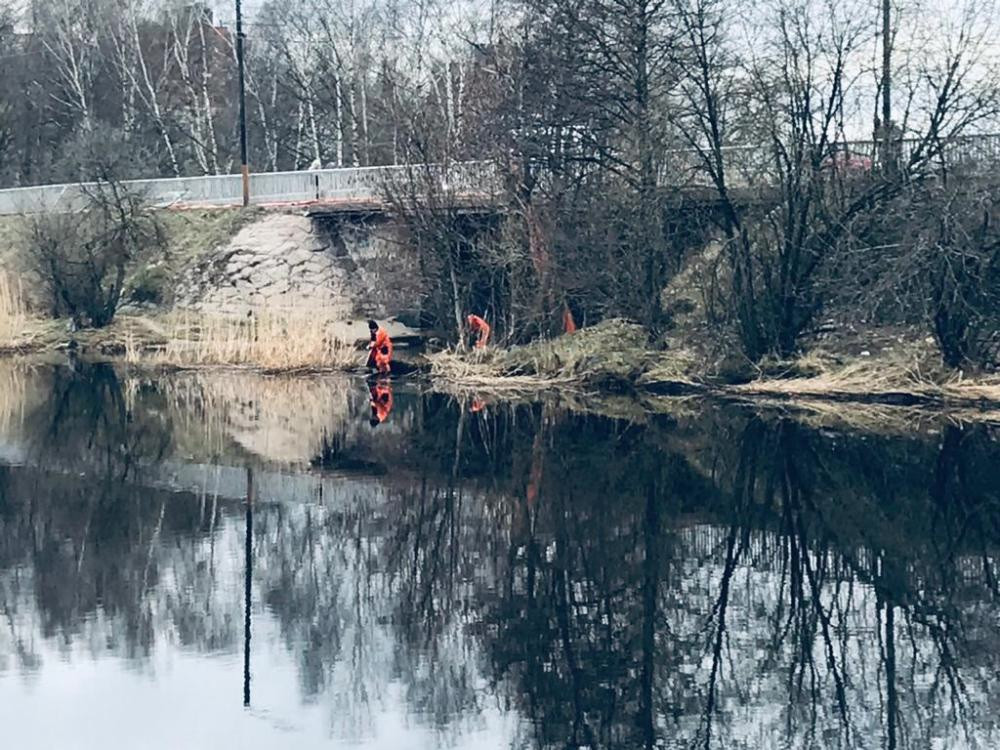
x,y
82,257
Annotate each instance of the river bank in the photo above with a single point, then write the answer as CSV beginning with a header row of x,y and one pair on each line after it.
x,y
611,358
212,298
614,357
275,342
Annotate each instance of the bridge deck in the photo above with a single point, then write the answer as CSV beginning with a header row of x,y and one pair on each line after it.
x,y
471,185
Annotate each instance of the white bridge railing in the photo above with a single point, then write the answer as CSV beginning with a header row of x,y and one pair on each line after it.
x,y
746,165
363,185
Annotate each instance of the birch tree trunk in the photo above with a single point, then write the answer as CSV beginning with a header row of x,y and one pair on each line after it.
x,y
366,143
182,40
149,90
313,131
339,119
70,39
299,125
206,61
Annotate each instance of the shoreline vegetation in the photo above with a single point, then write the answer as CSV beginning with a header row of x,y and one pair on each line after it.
x,y
737,204
608,358
612,357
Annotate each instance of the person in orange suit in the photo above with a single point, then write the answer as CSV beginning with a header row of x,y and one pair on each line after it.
x,y
381,402
569,325
380,348
480,328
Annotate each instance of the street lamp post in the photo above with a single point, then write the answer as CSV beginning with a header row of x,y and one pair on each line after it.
x,y
244,167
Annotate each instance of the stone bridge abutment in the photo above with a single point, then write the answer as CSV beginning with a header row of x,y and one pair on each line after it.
x,y
336,266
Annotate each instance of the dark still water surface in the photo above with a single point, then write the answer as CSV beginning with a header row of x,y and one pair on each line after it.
x,y
472,574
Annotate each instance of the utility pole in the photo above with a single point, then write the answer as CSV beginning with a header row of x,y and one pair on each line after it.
x,y
886,63
247,583
888,157
244,167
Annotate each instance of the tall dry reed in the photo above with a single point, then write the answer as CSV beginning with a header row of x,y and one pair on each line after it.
x,y
269,340
13,310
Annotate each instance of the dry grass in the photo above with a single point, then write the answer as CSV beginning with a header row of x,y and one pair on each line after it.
x,y
613,350
479,371
13,311
875,380
675,366
269,341
856,378
980,390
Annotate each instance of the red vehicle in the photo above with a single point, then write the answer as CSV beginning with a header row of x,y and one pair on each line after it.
x,y
845,161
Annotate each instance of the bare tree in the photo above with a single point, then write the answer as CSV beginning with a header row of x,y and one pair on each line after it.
x,y
145,79
70,37
798,93
195,60
939,267
82,258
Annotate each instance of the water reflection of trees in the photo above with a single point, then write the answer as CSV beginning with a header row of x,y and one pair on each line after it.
x,y
833,601
714,582
88,422
83,545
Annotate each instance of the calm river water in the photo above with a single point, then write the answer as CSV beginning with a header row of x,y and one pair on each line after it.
x,y
223,560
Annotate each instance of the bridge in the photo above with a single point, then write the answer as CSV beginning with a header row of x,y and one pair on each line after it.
x,y
335,189
475,183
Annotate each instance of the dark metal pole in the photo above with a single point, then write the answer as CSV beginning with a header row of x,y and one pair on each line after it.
x,y
247,582
892,697
244,167
887,130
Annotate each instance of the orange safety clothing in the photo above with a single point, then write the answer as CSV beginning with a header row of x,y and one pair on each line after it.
x,y
569,325
381,401
381,351
480,326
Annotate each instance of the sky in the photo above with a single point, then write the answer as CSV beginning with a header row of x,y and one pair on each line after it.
x,y
225,10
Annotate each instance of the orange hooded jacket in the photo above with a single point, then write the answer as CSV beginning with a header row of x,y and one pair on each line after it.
x,y
381,351
480,326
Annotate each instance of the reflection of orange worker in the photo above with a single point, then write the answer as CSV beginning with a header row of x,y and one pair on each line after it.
x,y
479,326
381,402
380,348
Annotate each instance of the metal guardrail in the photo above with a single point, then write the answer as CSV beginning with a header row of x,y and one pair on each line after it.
x,y
747,166
362,185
